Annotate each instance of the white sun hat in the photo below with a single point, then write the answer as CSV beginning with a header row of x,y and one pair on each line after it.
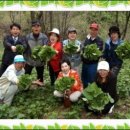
x,y
56,31
103,65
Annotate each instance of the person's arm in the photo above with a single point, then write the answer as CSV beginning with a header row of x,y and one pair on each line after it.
x,y
77,85
6,43
11,76
112,87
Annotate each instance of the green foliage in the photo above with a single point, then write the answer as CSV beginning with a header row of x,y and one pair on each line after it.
x,y
46,53
25,82
70,48
64,83
35,51
96,98
123,51
20,49
123,80
92,52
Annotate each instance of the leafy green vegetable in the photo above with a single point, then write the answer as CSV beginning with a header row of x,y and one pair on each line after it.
x,y
64,83
20,49
96,98
35,52
25,82
92,52
46,53
123,51
70,48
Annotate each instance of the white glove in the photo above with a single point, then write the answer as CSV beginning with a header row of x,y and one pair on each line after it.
x,y
13,48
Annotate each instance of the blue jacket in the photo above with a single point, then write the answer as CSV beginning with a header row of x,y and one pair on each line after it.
x,y
110,54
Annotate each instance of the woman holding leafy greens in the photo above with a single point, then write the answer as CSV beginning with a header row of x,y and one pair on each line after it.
x,y
75,91
54,63
106,80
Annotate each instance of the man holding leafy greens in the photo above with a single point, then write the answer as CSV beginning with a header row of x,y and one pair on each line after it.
x,y
9,80
36,38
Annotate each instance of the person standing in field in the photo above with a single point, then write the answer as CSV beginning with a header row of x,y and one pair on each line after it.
x,y
110,46
54,63
10,42
74,58
35,38
89,68
9,80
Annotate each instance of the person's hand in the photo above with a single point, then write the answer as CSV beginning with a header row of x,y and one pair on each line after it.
x,y
67,92
78,49
13,48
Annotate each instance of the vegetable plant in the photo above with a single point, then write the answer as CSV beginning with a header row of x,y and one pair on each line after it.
x,y
20,49
64,83
70,48
96,98
92,52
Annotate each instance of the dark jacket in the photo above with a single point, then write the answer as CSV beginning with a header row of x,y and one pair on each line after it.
x,y
110,54
89,41
9,55
109,86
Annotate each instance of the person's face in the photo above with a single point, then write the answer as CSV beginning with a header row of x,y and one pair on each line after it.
x,y
65,68
93,32
114,36
36,29
19,65
53,38
103,73
72,35
15,31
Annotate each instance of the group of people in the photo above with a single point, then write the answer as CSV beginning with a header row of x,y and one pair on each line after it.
x,y
103,71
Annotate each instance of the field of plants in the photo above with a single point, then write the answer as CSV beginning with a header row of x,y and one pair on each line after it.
x,y
39,102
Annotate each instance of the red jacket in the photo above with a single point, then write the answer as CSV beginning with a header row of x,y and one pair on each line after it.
x,y
73,74
55,61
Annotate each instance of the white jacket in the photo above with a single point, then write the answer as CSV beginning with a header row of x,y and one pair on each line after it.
x,y
9,77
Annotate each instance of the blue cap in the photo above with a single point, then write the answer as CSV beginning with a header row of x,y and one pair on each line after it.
x,y
19,58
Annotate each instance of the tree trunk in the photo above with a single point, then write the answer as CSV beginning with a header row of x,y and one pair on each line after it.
x,y
126,25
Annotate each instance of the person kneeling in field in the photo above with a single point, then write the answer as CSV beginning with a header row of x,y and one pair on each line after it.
x,y
106,80
76,90
9,80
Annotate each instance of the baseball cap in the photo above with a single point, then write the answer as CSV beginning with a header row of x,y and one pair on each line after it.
x,y
103,65
36,22
94,25
71,29
19,58
55,30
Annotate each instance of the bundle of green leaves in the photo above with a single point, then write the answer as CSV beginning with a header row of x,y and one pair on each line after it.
x,y
64,83
70,48
25,82
92,52
123,80
96,98
20,49
46,53
123,51
35,52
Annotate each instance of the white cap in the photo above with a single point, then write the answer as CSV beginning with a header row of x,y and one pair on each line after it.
x,y
103,65
56,31
19,58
